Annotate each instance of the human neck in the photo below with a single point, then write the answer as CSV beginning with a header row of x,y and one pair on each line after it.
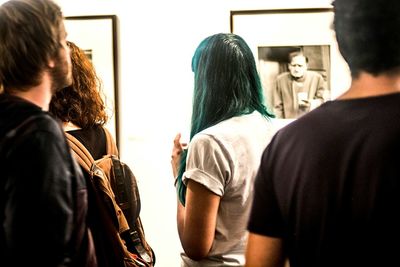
x,y
69,126
367,85
39,95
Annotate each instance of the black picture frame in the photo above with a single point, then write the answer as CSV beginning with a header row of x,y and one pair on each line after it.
x,y
283,30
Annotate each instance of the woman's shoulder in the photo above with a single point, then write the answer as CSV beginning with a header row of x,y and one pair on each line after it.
x,y
238,124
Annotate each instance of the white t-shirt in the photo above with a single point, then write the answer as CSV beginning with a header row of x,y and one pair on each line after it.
x,y
225,159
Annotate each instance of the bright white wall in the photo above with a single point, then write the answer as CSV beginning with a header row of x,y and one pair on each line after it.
x,y
156,42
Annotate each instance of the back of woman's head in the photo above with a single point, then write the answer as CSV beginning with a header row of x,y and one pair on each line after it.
x,y
226,83
81,103
368,34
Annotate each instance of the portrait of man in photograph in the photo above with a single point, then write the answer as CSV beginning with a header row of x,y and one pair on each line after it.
x,y
297,78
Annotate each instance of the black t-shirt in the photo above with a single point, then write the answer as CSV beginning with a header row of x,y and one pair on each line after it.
x,y
329,185
94,139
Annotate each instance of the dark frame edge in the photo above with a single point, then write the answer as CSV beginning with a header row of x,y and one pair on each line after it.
x,y
275,11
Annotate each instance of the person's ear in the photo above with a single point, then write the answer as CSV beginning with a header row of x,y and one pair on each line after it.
x,y
51,64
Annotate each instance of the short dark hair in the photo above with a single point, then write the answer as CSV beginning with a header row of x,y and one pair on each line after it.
x,y
30,34
368,34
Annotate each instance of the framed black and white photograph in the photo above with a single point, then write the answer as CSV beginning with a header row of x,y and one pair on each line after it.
x,y
276,36
97,36
274,64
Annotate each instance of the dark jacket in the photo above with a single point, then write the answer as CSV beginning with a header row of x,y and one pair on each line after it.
x,y
43,197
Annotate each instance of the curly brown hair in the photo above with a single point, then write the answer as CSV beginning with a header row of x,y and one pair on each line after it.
x,y
82,102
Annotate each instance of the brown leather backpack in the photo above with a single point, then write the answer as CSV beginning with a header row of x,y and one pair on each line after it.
x,y
118,232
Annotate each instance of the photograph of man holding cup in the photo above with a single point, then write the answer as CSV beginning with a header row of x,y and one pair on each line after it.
x,y
299,90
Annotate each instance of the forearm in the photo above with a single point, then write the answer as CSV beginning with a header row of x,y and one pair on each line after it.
x,y
278,109
319,96
180,218
196,220
278,104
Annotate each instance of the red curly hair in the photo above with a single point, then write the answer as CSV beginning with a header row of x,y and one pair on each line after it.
x,y
82,102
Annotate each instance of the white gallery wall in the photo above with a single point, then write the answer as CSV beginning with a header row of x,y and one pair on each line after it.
x,y
156,41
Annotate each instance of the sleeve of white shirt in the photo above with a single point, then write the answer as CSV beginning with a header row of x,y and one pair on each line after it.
x,y
208,163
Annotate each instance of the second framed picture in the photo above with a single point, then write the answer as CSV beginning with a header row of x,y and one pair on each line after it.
x,y
297,57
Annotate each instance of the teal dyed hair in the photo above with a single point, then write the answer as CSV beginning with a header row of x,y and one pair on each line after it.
x,y
226,84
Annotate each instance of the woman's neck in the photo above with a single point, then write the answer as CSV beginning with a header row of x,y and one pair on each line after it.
x,y
69,126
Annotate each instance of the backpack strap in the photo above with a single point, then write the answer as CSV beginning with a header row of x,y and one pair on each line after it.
x,y
111,145
84,158
118,253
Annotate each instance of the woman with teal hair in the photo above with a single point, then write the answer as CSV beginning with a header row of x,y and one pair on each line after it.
x,y
230,128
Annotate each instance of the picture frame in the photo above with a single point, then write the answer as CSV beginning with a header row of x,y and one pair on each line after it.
x,y
273,34
97,36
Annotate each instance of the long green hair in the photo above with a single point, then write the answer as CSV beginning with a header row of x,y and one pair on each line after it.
x,y
226,84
